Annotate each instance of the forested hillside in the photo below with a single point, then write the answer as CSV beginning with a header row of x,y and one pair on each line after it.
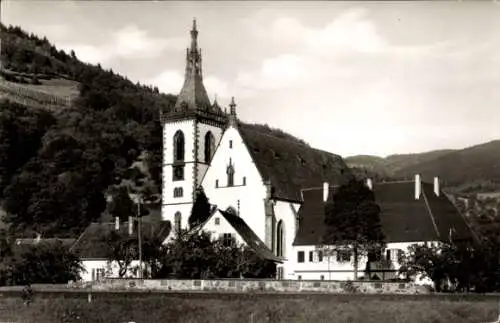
x,y
475,168
56,168
469,170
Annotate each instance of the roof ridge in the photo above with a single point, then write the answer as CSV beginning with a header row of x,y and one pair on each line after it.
x,y
318,188
393,182
297,142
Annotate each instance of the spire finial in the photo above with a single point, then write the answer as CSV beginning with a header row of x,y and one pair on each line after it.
x,y
232,113
232,105
194,24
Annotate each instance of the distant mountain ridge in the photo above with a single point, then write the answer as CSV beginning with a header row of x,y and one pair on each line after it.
x,y
476,167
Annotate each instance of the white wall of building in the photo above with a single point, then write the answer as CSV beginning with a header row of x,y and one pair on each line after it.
x,y
171,205
250,194
283,212
110,269
331,269
218,225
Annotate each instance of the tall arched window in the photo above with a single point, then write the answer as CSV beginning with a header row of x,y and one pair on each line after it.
x,y
178,146
230,175
280,237
177,221
209,146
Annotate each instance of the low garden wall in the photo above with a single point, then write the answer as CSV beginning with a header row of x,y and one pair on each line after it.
x,y
245,285
227,286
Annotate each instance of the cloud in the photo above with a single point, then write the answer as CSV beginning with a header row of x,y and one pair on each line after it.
x,y
129,42
347,46
168,81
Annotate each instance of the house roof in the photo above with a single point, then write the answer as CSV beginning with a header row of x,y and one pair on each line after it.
x,y
291,165
44,241
250,238
403,219
90,244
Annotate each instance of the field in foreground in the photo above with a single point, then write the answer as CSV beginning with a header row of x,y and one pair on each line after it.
x,y
151,308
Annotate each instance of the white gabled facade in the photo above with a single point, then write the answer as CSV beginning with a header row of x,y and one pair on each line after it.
x,y
247,193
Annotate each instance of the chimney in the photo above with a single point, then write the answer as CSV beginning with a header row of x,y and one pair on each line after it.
x,y
130,225
369,183
418,186
436,186
325,191
117,223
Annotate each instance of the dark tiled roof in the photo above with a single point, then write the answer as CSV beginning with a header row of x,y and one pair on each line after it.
x,y
403,218
90,244
291,165
250,238
311,217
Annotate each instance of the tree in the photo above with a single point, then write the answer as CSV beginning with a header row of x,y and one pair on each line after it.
x,y
201,208
121,249
121,205
43,263
352,222
198,256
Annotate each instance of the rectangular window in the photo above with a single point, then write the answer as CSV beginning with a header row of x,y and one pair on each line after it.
x,y
99,273
311,256
244,181
343,255
280,273
300,277
217,221
93,274
388,254
216,183
320,256
178,173
322,277
230,144
227,239
300,256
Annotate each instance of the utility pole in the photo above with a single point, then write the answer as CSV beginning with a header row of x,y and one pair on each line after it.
x,y
139,233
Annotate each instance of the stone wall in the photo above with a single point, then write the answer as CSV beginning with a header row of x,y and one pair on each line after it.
x,y
236,285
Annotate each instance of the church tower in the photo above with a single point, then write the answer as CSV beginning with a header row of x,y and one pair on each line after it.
x,y
192,129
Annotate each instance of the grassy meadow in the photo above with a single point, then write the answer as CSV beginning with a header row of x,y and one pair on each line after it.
x,y
219,308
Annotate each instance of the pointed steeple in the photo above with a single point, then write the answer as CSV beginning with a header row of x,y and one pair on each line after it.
x,y
216,105
193,95
233,120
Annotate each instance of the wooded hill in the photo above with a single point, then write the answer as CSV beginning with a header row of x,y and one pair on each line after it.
x,y
472,169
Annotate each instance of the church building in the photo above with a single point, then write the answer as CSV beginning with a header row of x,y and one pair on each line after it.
x,y
269,190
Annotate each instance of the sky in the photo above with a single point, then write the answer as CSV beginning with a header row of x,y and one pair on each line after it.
x,y
371,78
